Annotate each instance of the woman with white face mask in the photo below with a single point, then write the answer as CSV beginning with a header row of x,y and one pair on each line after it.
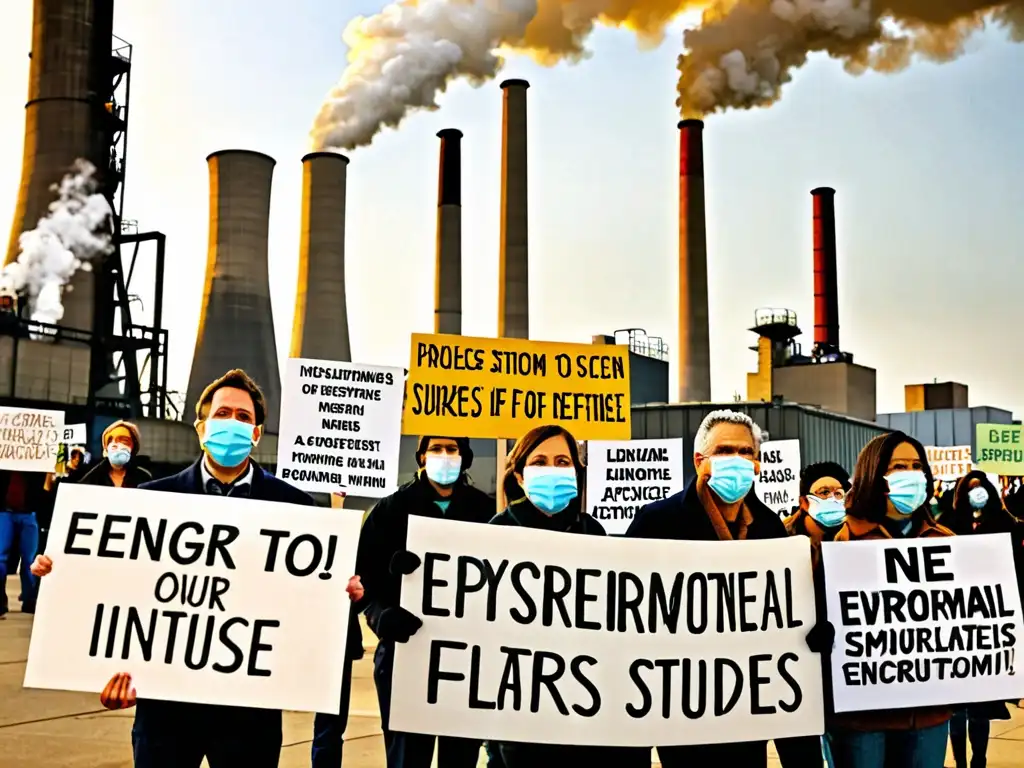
x,y
978,508
889,499
121,444
543,483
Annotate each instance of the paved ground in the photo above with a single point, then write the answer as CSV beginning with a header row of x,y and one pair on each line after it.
x,y
71,730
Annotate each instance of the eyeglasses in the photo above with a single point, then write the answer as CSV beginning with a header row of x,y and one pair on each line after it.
x,y
825,493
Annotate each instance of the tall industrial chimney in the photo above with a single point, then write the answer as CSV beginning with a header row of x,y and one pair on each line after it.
x,y
694,335
448,281
826,283
513,266
70,69
320,327
236,327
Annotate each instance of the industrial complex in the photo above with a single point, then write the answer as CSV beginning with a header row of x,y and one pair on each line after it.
x,y
98,365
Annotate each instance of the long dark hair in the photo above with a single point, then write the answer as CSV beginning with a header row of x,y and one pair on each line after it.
x,y
962,518
869,494
526,445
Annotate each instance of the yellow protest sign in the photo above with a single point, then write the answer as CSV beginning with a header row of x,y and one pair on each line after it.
x,y
501,388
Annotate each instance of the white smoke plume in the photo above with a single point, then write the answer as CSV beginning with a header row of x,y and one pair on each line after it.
x,y
402,58
744,51
76,230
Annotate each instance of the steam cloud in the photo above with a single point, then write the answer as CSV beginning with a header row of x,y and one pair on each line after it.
x,y
744,51
739,56
74,232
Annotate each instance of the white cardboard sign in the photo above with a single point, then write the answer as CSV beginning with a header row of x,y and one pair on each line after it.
x,y
204,599
29,439
522,639
340,427
778,486
624,475
923,622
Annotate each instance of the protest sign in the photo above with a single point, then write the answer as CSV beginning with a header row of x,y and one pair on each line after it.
x,y
778,486
624,475
949,463
923,622
205,599
543,637
1000,449
502,388
340,427
73,434
29,439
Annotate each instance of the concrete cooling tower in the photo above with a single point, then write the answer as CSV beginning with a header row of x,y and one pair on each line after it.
x,y
694,335
236,327
448,280
65,119
320,327
514,263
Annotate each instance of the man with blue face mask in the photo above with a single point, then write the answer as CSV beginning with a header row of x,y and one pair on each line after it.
x,y
229,422
719,504
440,489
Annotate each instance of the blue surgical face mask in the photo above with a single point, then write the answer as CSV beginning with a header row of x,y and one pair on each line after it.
x,y
118,455
828,513
550,489
978,497
732,477
442,468
228,442
908,490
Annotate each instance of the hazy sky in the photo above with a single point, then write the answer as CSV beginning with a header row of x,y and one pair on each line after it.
x,y
928,167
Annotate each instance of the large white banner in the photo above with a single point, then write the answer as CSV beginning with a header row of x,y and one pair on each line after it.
x,y
29,439
555,638
207,599
624,475
341,426
778,486
923,622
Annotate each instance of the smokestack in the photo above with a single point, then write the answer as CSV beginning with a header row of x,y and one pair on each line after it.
x,y
70,70
320,327
236,327
694,336
513,265
826,287
448,281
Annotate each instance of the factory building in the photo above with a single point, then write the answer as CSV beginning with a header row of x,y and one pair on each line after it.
x,y
938,414
828,378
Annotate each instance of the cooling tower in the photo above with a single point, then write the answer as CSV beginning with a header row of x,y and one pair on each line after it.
x,y
513,266
65,119
826,287
448,281
236,327
694,337
320,327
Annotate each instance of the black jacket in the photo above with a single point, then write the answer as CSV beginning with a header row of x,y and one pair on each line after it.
x,y
386,527
570,520
682,517
99,474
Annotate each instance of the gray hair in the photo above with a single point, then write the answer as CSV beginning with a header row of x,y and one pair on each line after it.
x,y
713,419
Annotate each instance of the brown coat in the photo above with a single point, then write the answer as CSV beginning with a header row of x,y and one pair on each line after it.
x,y
890,719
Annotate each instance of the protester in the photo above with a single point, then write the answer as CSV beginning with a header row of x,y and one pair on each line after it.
x,y
822,509
978,508
440,490
21,494
119,469
889,499
543,478
230,415
719,504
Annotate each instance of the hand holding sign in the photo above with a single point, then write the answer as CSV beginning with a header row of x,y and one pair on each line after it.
x,y
404,562
397,625
821,638
119,693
